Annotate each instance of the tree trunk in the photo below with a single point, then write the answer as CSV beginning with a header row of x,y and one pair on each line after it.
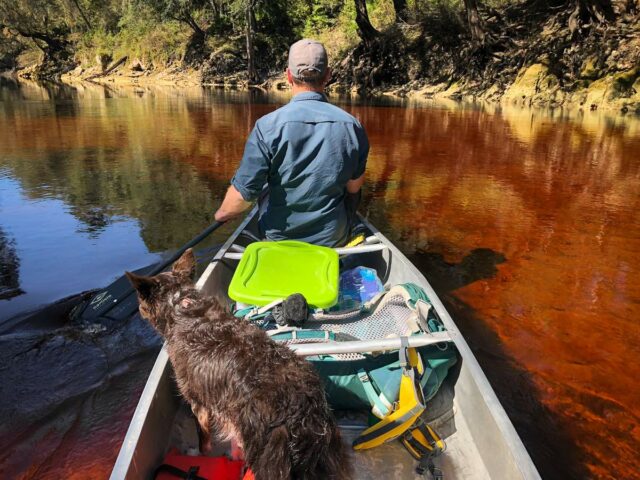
x,y
400,6
250,20
599,10
194,26
365,29
82,14
216,11
474,21
53,44
590,11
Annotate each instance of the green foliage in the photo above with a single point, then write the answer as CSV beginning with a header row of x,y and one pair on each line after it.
x,y
323,16
279,24
333,24
179,10
37,19
164,31
140,34
173,9
160,31
381,13
104,14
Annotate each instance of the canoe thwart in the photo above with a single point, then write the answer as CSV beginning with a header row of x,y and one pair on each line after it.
x,y
363,346
376,247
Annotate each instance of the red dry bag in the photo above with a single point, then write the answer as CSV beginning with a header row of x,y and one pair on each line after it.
x,y
176,466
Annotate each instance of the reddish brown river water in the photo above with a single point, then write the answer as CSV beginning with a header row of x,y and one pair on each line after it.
x,y
527,223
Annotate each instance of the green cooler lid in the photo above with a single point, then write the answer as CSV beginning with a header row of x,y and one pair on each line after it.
x,y
270,271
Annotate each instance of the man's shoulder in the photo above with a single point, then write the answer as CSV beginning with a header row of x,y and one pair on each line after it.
x,y
307,112
272,119
341,114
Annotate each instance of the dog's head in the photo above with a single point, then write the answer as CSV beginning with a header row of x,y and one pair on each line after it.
x,y
160,295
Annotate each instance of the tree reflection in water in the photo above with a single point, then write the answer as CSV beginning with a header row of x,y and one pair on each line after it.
x,y
9,269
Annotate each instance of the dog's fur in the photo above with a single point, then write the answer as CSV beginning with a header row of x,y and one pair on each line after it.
x,y
241,383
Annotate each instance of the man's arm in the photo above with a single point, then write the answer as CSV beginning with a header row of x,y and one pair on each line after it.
x,y
249,179
354,186
232,205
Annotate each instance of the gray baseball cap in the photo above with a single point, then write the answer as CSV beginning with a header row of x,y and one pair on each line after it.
x,y
307,55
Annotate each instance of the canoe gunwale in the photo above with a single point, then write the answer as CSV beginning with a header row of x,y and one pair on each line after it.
x,y
521,455
140,418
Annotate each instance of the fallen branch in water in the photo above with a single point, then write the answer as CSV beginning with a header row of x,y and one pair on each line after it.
x,y
108,70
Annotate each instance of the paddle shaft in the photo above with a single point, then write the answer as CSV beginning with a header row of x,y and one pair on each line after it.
x,y
191,243
159,268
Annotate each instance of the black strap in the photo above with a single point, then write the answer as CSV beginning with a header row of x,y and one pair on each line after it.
x,y
417,446
426,463
427,434
404,352
190,475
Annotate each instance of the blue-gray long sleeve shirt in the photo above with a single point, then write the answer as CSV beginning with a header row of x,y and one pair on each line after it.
x,y
306,152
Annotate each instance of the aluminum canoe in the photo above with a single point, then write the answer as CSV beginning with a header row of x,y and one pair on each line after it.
x,y
481,440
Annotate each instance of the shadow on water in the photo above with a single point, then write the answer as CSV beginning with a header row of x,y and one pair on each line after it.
x,y
65,410
79,380
535,424
479,264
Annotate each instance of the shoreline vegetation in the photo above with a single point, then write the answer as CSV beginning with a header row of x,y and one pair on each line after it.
x,y
581,54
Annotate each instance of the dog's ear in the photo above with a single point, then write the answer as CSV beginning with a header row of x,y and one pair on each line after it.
x,y
185,266
143,285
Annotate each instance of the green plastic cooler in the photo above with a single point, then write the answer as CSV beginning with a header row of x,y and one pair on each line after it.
x,y
271,271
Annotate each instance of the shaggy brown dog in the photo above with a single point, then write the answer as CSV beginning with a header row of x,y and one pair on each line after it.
x,y
242,383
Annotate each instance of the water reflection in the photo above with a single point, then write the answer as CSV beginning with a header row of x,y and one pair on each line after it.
x,y
560,201
527,222
9,269
151,171
68,394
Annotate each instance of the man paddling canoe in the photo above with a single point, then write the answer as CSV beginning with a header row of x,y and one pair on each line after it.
x,y
311,154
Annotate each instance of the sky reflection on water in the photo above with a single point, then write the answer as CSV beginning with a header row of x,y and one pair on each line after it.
x,y
57,253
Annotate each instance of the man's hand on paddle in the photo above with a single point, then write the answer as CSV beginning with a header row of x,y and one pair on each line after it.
x,y
232,205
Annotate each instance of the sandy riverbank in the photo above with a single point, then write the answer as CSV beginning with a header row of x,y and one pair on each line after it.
x,y
534,86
